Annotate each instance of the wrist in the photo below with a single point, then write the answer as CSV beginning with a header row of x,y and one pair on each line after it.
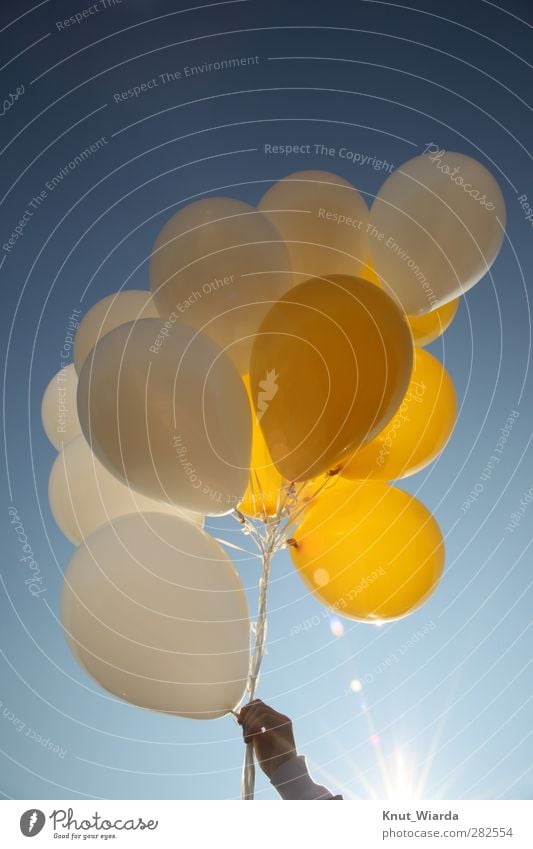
x,y
292,781
277,761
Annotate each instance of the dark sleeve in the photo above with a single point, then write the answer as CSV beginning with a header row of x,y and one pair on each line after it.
x,y
292,781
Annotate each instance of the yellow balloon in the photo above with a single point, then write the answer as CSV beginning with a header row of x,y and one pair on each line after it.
x,y
428,327
418,431
425,328
267,490
369,273
330,365
368,550
262,496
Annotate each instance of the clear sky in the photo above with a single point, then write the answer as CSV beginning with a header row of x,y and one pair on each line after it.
x,y
446,694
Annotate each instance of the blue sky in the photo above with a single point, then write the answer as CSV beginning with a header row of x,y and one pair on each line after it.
x,y
447,691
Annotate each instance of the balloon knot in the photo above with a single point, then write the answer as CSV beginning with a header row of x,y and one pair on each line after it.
x,y
336,471
292,542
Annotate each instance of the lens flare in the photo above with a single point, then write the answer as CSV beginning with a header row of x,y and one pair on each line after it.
x,y
336,627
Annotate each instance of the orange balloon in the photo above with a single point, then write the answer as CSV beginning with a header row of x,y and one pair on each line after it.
x,y
266,487
428,327
418,431
368,550
369,273
267,490
330,365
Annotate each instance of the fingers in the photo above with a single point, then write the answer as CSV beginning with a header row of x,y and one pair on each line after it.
x,y
254,720
258,718
255,727
250,709
245,709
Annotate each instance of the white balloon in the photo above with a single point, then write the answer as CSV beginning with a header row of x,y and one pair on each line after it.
x,y
83,495
323,220
59,413
111,312
155,611
218,265
438,224
165,410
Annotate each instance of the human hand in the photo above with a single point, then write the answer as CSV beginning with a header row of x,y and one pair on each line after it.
x,y
270,733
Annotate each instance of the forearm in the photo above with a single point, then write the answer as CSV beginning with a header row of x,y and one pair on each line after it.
x,y
292,781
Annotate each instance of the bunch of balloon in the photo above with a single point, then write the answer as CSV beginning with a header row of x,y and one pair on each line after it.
x,y
274,373
346,400
153,424
141,602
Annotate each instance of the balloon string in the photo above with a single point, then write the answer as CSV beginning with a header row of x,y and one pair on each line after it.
x,y
248,770
277,530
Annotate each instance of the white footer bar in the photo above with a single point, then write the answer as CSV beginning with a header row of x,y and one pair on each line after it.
x,y
268,825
